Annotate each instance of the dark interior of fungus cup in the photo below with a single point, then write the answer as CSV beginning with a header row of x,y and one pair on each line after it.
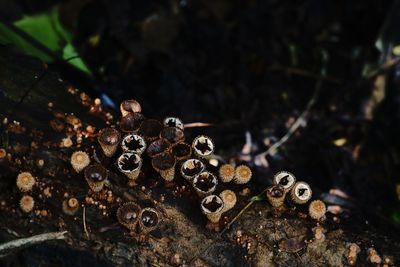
x,y
149,218
95,173
129,162
150,128
128,213
214,205
171,122
131,105
203,147
276,191
133,143
181,150
284,181
157,147
164,161
197,168
109,136
205,182
131,122
173,134
301,191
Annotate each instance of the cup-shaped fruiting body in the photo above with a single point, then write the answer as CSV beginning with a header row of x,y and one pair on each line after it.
x,y
242,174
173,122
229,199
133,143
95,175
173,134
164,164
109,139
130,165
226,173
285,179
148,220
205,183
212,206
157,147
317,209
25,181
129,106
192,167
181,151
203,146
128,215
131,122
150,129
276,195
301,193
79,160
70,206
26,203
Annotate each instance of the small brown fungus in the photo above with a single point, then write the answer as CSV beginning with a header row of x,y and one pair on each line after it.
x,y
173,122
3,153
205,183
226,173
181,151
79,160
131,122
25,181
173,134
242,174
133,143
276,195
157,147
229,198
109,139
130,164
317,209
300,193
212,206
96,175
26,203
130,106
353,250
285,179
148,220
373,256
203,146
164,164
70,206
150,129
128,215
192,167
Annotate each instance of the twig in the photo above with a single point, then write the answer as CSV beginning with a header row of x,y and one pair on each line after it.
x,y
6,248
84,222
198,124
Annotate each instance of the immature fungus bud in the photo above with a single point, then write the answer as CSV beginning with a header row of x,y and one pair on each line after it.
x,y
276,195
300,193
352,254
109,139
150,129
130,165
226,173
164,164
229,199
25,181
95,175
285,179
173,134
319,233
158,147
148,220
3,153
26,204
242,174
205,183
203,146
70,206
212,206
192,167
131,122
181,151
373,256
130,106
173,122
317,209
133,143
128,215
79,160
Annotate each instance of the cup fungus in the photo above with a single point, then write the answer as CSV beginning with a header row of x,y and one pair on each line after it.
x,y
157,147
181,151
300,193
150,129
285,179
130,165
317,209
173,134
212,206
148,220
173,122
70,206
352,254
128,215
130,106
205,183
79,160
229,199
96,175
192,167
26,203
131,122
203,146
133,143
373,256
226,173
109,139
25,181
164,164
276,195
242,174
